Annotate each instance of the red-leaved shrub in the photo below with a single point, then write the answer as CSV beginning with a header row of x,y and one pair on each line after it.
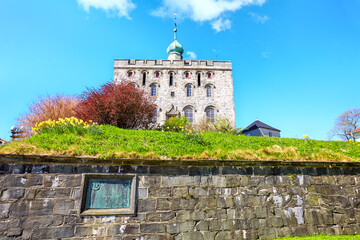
x,y
122,105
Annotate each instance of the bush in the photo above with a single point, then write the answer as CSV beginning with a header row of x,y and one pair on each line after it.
x,y
66,125
176,124
121,105
50,107
221,124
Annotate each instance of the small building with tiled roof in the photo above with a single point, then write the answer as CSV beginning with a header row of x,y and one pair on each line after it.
x,y
356,134
259,128
2,141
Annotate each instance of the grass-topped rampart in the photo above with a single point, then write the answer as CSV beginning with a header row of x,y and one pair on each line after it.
x,y
108,141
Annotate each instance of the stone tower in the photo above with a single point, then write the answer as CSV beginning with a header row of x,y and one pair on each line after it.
x,y
201,90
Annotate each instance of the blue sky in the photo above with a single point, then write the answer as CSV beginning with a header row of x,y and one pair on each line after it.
x,y
296,63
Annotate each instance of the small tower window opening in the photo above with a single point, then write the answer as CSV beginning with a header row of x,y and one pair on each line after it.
x,y
130,74
153,90
188,90
210,115
199,79
188,112
187,75
144,79
171,82
209,75
172,94
157,74
208,91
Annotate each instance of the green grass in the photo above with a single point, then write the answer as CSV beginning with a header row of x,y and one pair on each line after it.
x,y
114,142
327,237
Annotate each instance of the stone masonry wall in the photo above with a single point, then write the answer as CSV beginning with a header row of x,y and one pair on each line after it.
x,y
40,199
221,83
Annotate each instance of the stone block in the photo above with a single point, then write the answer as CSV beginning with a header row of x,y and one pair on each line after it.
x,y
178,192
190,236
53,193
197,192
54,181
223,235
172,181
62,207
12,194
155,237
202,226
160,216
4,210
41,222
163,204
261,212
123,229
13,233
53,233
233,181
345,180
149,181
159,192
41,207
152,228
142,193
275,222
146,205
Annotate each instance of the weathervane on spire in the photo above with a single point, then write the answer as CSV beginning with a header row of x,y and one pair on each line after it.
x,y
175,30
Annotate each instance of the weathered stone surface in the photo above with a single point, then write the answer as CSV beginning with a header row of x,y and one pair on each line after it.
x,y
53,233
12,194
220,205
152,228
62,207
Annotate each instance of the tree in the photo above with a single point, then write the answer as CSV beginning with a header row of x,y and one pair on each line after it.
x,y
45,108
346,123
122,105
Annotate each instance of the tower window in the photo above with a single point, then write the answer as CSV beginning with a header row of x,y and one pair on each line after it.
x,y
188,90
153,90
157,74
187,75
188,112
199,79
209,75
210,115
130,74
171,79
172,94
208,91
144,79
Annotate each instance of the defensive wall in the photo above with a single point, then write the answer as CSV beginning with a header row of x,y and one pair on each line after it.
x,y
42,197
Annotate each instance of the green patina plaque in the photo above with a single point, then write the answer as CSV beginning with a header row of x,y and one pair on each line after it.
x,y
108,193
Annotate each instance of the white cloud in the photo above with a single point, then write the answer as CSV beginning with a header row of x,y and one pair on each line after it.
x,y
204,10
221,25
259,19
191,55
120,7
265,54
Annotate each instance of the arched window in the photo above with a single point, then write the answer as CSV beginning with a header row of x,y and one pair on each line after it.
x,y
154,119
144,79
153,90
188,113
171,81
187,74
130,74
210,115
209,74
199,79
188,90
208,91
157,74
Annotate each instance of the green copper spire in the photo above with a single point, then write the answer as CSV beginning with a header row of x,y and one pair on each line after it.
x,y
175,47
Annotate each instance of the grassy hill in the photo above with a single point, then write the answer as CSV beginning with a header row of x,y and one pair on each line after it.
x,y
110,141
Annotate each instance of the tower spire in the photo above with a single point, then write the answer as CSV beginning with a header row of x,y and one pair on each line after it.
x,y
175,29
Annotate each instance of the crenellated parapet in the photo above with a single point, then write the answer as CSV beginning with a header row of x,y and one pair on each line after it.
x,y
152,63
